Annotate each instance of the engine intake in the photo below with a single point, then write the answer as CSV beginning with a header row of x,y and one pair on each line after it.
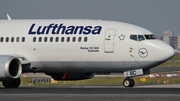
x,y
10,67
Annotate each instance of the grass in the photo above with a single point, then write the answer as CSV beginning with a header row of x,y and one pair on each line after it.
x,y
101,81
170,64
176,57
173,62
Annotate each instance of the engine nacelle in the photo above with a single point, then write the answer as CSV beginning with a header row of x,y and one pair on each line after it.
x,y
10,67
71,76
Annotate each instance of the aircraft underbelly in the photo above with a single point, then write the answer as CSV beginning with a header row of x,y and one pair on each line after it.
x,y
93,66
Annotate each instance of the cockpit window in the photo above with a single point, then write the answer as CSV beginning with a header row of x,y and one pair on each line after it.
x,y
141,37
133,37
148,37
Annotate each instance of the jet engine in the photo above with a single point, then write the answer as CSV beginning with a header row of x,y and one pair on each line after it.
x,y
71,76
10,67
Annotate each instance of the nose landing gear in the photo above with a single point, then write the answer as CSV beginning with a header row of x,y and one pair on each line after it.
x,y
128,82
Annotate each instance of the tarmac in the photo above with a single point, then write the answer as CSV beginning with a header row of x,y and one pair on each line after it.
x,y
170,92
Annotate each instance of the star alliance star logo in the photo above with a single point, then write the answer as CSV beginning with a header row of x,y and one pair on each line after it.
x,y
121,37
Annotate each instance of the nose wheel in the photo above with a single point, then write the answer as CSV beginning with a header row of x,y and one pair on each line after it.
x,y
128,82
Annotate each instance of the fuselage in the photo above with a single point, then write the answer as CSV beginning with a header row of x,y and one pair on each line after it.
x,y
82,45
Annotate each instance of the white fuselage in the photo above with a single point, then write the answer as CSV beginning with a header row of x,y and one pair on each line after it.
x,y
109,47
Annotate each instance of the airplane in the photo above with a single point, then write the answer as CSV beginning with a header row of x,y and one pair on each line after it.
x,y
77,49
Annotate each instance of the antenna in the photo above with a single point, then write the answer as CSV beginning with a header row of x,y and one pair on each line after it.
x,y
9,18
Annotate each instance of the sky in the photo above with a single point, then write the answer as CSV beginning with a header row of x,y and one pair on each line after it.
x,y
154,15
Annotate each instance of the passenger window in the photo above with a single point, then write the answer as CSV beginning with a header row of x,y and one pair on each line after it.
x,y
2,39
12,39
51,39
141,37
133,37
34,39
85,39
74,39
23,39
79,39
68,39
40,39
57,39
7,39
62,39
45,39
17,39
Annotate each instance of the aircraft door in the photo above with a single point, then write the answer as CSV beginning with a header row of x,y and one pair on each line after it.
x,y
109,41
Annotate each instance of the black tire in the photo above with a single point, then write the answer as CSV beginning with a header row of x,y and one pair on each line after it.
x,y
12,83
7,84
132,83
16,83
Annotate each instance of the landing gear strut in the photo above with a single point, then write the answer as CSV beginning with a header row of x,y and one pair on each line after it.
x,y
128,82
15,83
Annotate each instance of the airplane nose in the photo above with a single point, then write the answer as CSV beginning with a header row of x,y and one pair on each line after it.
x,y
164,51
